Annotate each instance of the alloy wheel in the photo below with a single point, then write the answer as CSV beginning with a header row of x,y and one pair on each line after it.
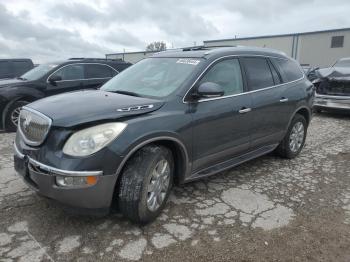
x,y
296,137
158,185
15,116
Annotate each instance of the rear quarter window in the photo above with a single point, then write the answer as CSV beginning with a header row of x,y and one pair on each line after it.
x,y
290,69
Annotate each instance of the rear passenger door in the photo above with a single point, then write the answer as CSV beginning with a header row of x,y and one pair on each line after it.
x,y
97,74
263,81
291,91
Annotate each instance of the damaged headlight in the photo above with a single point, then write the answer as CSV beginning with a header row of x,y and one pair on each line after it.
x,y
92,139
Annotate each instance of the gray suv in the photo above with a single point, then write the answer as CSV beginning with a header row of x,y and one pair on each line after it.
x,y
172,118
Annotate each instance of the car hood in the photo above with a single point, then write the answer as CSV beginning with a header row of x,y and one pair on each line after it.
x,y
334,73
71,109
12,82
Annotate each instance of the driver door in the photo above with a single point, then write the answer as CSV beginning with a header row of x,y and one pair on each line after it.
x,y
221,126
71,78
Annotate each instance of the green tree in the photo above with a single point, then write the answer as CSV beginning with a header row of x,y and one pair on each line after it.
x,y
156,46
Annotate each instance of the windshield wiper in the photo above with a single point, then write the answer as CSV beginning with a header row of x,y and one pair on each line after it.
x,y
129,93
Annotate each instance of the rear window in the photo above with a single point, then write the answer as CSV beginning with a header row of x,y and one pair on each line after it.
x,y
290,69
258,73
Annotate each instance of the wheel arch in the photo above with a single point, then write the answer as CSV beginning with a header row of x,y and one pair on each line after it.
x,y
180,154
26,98
305,112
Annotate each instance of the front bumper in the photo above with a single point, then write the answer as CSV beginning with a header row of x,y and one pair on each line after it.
x,y
42,179
332,102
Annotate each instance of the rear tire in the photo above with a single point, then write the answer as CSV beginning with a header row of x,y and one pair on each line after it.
x,y
294,140
151,168
12,115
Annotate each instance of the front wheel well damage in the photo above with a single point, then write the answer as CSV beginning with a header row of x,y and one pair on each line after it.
x,y
180,162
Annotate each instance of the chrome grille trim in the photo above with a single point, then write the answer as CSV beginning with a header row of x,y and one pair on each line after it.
x,y
44,135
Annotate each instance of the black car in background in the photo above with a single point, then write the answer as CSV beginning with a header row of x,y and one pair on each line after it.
x,y
11,68
51,79
172,118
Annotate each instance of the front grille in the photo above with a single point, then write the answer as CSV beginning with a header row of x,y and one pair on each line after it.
x,y
33,126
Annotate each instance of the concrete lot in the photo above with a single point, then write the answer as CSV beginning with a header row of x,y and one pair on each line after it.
x,y
269,209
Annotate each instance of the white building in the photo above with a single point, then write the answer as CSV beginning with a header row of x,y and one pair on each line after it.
x,y
319,48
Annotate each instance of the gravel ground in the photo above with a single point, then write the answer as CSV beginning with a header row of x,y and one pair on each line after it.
x,y
268,209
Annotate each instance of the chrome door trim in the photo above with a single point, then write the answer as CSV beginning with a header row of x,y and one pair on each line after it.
x,y
234,95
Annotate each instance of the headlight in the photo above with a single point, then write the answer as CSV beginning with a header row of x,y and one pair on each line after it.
x,y
92,139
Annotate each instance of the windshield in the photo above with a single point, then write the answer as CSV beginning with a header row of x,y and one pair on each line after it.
x,y
343,63
154,77
38,72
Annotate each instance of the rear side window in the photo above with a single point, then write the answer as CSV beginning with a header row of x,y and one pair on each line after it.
x,y
258,73
227,74
98,71
4,69
290,69
21,67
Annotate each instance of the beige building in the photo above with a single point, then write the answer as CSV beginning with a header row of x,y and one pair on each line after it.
x,y
319,48
131,57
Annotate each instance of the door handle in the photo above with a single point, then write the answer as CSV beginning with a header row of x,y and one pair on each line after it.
x,y
283,100
244,110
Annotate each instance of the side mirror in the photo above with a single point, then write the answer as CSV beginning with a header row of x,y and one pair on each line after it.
x,y
53,79
210,90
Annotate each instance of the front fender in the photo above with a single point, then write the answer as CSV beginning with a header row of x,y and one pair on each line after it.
x,y
160,137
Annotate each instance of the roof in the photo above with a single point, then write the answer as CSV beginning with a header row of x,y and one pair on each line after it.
x,y
280,35
207,52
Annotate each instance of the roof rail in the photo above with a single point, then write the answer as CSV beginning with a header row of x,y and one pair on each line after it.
x,y
98,59
203,47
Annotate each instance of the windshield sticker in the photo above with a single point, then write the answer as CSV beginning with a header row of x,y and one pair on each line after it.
x,y
188,61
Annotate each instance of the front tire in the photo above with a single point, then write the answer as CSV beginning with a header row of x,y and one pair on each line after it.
x,y
12,115
146,183
294,140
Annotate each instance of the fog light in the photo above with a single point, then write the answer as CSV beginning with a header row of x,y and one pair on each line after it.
x,y
67,181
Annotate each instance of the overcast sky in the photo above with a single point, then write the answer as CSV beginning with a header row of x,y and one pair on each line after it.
x,y
51,30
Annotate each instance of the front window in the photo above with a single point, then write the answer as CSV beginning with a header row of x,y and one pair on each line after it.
x,y
227,74
71,72
38,71
154,77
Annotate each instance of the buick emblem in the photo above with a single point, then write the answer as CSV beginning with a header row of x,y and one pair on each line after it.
x,y
26,123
